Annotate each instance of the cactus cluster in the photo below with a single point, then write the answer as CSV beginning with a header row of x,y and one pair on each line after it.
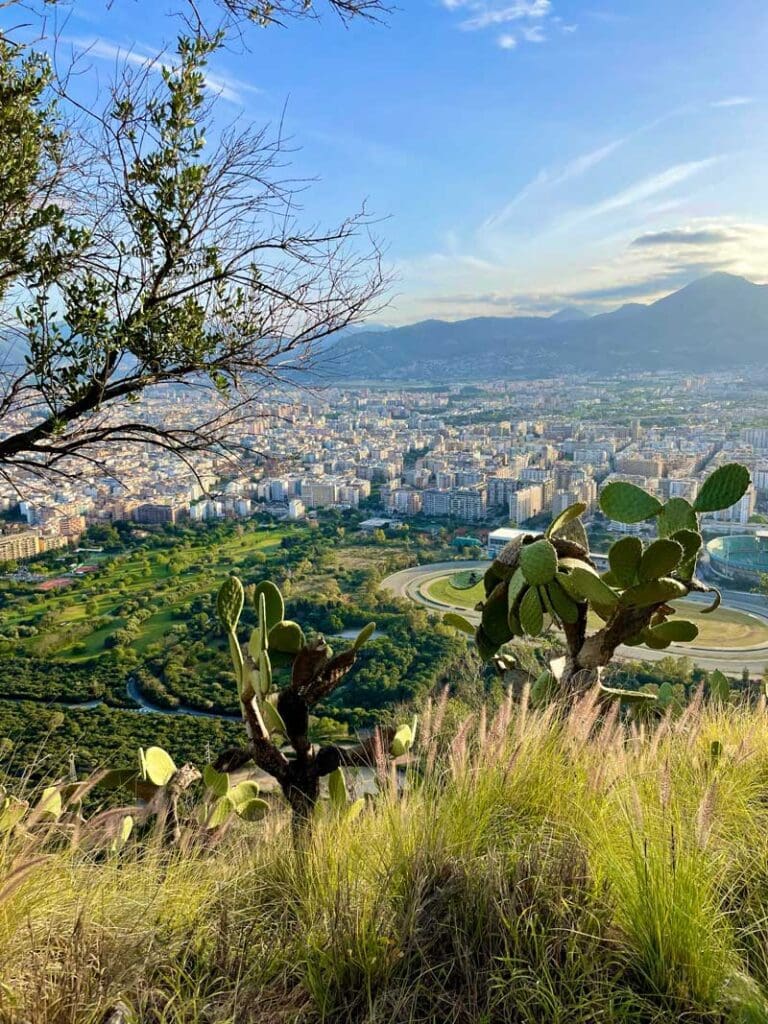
x,y
223,799
278,717
538,581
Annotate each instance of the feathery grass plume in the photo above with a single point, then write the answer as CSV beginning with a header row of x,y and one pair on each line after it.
x,y
458,750
522,709
705,814
576,872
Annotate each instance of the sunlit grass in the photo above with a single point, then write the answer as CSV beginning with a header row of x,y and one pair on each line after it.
x,y
534,869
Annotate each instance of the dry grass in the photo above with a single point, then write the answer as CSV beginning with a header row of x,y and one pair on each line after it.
x,y
532,869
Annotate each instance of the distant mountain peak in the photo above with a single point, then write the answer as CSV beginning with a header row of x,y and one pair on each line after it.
x,y
719,321
569,314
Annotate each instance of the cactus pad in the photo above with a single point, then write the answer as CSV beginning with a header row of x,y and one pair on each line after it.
x,y
252,810
626,503
567,516
584,584
538,562
563,606
457,621
624,559
678,514
273,602
217,782
677,631
531,613
723,488
364,636
158,766
229,603
286,637
659,559
654,592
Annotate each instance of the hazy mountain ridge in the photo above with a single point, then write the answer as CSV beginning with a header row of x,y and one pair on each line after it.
x,y
718,321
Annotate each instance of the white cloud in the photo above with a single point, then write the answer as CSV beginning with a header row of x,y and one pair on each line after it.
x,y
530,15
231,89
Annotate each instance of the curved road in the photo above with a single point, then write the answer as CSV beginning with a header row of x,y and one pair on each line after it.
x,y
410,583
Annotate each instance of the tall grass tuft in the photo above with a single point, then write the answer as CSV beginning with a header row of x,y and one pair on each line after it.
x,y
529,868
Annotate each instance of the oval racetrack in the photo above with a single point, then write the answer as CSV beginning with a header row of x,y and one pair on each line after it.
x,y
413,584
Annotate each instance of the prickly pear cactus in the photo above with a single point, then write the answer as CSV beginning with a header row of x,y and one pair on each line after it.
x,y
540,581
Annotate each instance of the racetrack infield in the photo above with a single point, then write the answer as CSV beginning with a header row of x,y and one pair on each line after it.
x,y
726,628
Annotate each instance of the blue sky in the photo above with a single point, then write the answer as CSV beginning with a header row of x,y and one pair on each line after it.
x,y
522,154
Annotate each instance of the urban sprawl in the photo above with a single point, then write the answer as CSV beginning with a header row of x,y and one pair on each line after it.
x,y
486,456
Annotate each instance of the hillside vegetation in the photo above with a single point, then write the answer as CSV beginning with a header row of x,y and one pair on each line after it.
x,y
531,868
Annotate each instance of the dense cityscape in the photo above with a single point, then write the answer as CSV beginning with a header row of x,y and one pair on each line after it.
x,y
483,456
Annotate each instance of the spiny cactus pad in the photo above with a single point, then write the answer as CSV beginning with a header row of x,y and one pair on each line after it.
x,y
229,603
677,514
654,592
659,559
677,631
273,602
217,782
624,559
531,613
564,607
583,583
723,488
538,562
157,765
626,503
286,637
364,635
567,516
458,622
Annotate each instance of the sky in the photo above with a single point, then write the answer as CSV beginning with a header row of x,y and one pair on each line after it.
x,y
517,156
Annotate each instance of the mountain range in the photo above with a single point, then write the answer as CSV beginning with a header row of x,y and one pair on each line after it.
x,y
717,322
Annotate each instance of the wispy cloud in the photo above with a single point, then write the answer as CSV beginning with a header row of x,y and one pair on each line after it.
x,y
552,177
646,188
733,101
530,19
234,90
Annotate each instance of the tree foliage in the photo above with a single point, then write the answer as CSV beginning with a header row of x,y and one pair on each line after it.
x,y
145,245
